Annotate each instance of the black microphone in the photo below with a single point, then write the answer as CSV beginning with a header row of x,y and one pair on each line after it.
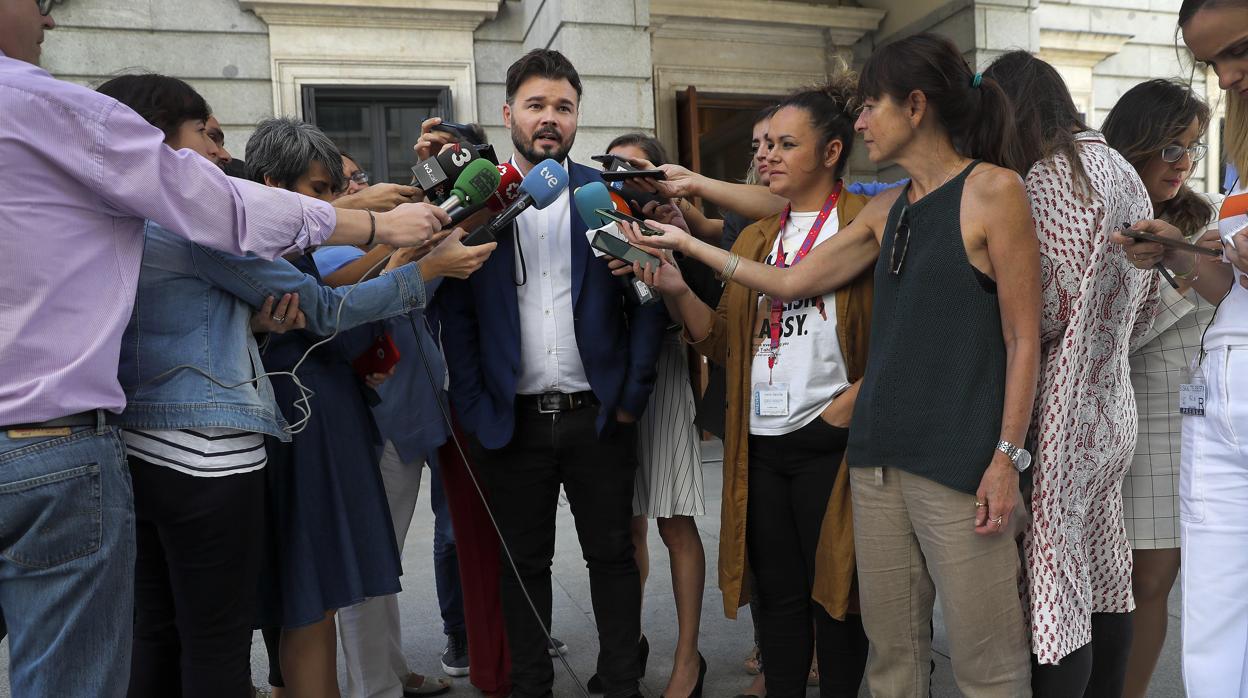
x,y
436,172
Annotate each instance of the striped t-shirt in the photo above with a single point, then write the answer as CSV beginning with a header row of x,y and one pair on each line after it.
x,y
202,452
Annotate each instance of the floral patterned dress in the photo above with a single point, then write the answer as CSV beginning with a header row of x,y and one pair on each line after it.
x,y
1097,308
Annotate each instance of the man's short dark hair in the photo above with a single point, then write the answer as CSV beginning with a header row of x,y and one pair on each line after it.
x,y
541,63
162,101
283,149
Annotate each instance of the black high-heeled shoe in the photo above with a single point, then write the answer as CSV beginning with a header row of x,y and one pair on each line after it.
x,y
594,685
697,689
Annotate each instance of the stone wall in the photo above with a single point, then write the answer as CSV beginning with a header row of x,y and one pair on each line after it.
x,y
1151,49
220,49
607,41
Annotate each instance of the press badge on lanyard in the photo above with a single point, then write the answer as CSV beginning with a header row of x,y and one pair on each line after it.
x,y
1192,393
772,399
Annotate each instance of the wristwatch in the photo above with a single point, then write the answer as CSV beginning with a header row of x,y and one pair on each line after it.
x,y
1018,456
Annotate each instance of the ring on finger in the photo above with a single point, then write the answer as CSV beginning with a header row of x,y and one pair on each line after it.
x,y
997,521
279,319
979,504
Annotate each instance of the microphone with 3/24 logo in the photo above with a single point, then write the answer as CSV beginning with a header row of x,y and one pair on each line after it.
x,y
439,172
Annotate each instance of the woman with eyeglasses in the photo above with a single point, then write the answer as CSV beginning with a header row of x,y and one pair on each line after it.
x,y
941,414
1213,472
1096,307
1157,126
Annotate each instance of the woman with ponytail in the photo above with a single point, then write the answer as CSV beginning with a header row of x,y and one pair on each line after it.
x,y
1097,307
786,493
1157,126
937,432
1213,471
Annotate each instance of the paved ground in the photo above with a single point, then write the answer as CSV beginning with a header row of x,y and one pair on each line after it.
x,y
725,643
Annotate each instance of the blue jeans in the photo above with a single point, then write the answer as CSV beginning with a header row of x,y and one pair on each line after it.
x,y
445,558
67,566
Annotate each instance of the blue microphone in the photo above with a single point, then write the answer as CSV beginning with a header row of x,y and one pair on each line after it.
x,y
589,197
539,189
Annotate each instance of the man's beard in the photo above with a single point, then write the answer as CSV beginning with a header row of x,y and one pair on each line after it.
x,y
532,154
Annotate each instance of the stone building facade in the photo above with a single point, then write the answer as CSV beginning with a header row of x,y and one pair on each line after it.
x,y
637,58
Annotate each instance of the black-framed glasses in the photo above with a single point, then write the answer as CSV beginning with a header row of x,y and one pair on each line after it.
x,y
900,235
360,177
45,6
1174,152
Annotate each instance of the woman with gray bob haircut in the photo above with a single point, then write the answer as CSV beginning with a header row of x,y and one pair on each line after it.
x,y
284,152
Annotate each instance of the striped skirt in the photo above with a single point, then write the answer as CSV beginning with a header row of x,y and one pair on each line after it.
x,y
669,453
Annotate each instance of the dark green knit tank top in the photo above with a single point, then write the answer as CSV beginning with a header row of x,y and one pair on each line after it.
x,y
934,387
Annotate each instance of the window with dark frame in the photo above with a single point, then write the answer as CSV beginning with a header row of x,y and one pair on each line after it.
x,y
377,125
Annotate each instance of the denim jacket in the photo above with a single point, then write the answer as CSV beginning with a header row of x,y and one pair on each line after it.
x,y
408,415
193,307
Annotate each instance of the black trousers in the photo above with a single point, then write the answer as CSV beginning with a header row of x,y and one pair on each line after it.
x,y
199,544
791,478
1096,670
597,474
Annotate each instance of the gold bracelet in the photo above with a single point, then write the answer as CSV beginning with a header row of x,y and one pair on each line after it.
x,y
730,267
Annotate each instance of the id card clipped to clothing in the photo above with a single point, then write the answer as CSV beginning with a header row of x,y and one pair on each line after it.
x,y
771,399
1192,393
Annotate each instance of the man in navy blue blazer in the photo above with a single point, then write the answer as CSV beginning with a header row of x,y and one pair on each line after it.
x,y
551,363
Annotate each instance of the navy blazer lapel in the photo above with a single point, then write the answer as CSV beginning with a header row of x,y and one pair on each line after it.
x,y
505,275
579,248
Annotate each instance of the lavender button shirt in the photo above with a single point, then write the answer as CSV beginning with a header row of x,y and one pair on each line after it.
x,y
79,173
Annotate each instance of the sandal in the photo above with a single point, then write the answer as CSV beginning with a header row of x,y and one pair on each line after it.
x,y
418,685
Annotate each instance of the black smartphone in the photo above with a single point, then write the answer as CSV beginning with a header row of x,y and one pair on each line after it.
x,y
453,128
1170,242
480,236
617,169
622,249
622,175
614,215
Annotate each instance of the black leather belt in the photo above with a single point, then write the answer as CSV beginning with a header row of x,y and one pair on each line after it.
x,y
550,403
82,419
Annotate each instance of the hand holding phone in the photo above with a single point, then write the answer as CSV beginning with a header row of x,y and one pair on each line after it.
x,y
614,215
1170,242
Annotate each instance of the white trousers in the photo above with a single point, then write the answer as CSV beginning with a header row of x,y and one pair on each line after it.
x,y
1213,516
372,638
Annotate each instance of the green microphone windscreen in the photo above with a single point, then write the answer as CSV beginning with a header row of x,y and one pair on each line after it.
x,y
476,183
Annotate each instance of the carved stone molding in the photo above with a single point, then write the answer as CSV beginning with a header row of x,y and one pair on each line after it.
x,y
463,15
1079,47
729,20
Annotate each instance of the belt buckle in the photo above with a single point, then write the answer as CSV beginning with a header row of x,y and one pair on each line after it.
x,y
541,405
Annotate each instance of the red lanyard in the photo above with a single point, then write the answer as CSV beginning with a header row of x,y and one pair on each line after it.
x,y
777,308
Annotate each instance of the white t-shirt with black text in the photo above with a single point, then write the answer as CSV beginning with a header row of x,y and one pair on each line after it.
x,y
809,357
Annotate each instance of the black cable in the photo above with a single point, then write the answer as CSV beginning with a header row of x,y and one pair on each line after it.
x,y
446,416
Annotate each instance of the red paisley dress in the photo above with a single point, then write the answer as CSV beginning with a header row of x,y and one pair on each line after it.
x,y
1096,308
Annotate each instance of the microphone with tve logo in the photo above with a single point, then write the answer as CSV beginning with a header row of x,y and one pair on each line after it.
x,y
539,189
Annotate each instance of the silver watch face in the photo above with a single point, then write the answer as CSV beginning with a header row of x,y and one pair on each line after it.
x,y
1024,460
